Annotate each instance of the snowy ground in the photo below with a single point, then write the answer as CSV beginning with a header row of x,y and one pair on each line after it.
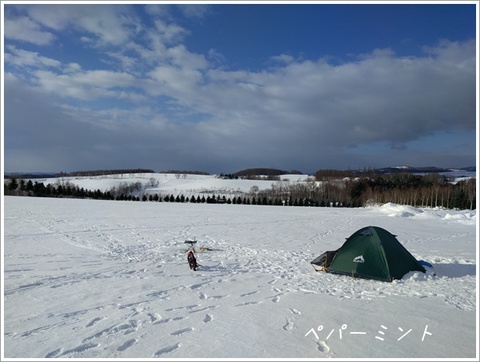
x,y
109,279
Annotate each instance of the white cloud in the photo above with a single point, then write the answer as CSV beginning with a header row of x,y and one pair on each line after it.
x,y
215,57
282,58
21,58
158,10
54,17
181,57
194,11
169,33
73,68
25,29
89,85
109,24
453,53
165,11
128,63
176,82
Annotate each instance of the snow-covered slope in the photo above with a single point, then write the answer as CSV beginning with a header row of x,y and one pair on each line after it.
x,y
175,184
109,279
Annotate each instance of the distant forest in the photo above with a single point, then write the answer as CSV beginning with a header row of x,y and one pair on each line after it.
x,y
330,188
257,173
78,173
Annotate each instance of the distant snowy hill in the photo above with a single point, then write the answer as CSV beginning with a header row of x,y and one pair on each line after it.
x,y
169,183
463,172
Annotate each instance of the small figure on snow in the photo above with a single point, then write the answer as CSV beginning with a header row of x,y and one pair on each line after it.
x,y
192,261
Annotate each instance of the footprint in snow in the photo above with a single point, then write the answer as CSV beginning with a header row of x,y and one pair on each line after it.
x,y
248,303
168,349
127,345
94,321
295,311
219,296
53,353
80,349
323,347
162,321
182,331
288,326
154,317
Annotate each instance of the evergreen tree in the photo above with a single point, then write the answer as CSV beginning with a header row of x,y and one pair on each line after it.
x,y
23,187
29,186
13,184
460,200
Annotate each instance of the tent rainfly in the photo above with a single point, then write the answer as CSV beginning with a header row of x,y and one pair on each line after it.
x,y
372,253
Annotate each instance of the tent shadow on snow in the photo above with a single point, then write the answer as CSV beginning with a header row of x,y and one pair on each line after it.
x,y
456,270
372,253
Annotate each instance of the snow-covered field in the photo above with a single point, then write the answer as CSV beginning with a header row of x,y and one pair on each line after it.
x,y
109,279
176,184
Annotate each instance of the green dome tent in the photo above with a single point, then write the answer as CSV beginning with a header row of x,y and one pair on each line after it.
x,y
371,252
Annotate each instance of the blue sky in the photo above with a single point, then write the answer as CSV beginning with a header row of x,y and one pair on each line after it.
x,y
223,87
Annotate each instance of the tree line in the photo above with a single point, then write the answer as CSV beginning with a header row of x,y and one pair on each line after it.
x,y
432,190
104,172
